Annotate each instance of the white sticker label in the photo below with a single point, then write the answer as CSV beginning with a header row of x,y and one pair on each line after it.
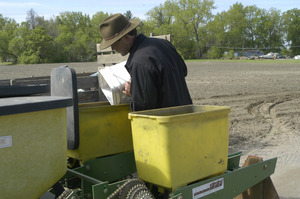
x,y
208,188
5,141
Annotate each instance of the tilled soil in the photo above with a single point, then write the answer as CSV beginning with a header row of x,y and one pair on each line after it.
x,y
265,112
265,108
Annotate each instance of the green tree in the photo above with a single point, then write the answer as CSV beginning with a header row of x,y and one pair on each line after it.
x,y
291,19
236,26
269,34
95,23
128,15
160,15
63,44
226,31
74,20
253,21
17,45
214,53
76,37
72,36
161,20
38,47
194,15
184,41
7,28
246,28
273,25
4,40
84,48
215,31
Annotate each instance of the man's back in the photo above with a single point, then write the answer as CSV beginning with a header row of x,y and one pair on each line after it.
x,y
158,75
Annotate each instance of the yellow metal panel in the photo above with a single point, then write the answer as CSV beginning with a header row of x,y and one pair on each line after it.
x,y
103,130
36,157
176,146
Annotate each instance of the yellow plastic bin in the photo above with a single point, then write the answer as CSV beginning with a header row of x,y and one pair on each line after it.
x,y
178,145
103,130
33,145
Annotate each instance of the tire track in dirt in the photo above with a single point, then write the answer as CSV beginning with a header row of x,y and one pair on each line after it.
x,y
289,148
283,141
262,124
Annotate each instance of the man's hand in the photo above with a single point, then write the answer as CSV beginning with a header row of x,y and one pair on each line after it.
x,y
126,88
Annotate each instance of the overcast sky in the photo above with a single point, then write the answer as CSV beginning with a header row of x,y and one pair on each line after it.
x,y
17,9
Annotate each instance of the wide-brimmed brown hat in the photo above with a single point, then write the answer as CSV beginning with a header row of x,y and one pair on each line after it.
x,y
115,27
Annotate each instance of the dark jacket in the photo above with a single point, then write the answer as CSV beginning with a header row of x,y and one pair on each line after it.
x,y
157,75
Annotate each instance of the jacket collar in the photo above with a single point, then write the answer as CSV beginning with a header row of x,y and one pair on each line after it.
x,y
136,43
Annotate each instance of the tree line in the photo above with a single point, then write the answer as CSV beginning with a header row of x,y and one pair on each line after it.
x,y
195,32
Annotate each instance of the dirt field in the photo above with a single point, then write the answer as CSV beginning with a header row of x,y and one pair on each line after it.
x,y
265,112
265,108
